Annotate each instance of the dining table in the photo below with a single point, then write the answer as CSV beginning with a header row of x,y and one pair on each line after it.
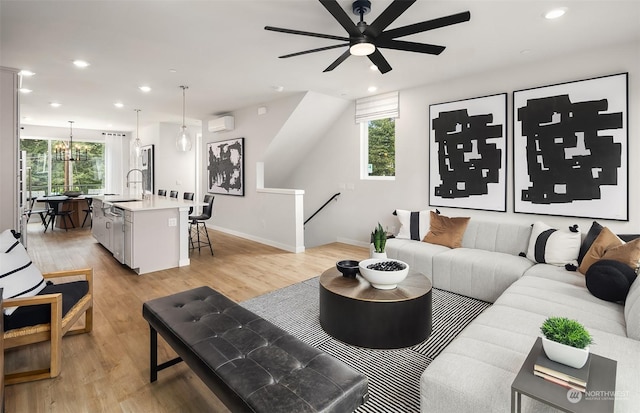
x,y
75,205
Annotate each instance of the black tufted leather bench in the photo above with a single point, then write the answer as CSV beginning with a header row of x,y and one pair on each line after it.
x,y
251,365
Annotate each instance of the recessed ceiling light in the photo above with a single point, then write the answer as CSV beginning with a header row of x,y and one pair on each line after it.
x,y
26,73
278,88
173,71
80,63
372,88
55,104
373,67
25,90
144,88
555,13
118,104
27,118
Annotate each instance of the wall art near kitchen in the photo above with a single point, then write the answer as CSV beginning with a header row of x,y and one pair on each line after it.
x,y
570,150
147,167
468,153
225,167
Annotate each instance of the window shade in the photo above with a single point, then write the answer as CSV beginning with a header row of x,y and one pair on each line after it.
x,y
377,107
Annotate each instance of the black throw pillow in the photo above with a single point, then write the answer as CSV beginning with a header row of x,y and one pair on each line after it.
x,y
610,280
591,236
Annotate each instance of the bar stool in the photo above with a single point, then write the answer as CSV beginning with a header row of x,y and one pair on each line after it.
x,y
188,196
197,235
173,194
162,192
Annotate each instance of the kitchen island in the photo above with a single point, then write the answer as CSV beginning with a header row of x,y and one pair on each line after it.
x,y
145,234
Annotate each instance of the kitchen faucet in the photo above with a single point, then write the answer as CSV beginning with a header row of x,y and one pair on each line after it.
x,y
134,182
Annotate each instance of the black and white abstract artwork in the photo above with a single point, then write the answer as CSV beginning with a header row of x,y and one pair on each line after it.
x,y
225,167
147,167
467,153
571,149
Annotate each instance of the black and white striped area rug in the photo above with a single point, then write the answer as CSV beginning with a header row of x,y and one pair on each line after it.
x,y
394,375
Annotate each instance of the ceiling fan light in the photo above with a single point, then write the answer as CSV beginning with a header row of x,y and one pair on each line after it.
x,y
362,49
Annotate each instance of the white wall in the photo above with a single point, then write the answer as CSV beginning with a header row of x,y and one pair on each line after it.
x,y
9,109
250,216
335,160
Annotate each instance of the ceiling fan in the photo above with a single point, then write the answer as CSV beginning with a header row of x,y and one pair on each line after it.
x,y
367,39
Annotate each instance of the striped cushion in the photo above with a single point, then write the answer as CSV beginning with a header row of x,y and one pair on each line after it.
x,y
548,245
413,224
19,277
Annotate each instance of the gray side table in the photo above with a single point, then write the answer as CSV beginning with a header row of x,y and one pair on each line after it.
x,y
599,397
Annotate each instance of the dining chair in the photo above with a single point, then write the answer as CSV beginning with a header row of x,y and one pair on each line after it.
x,y
173,194
162,192
42,212
56,210
88,212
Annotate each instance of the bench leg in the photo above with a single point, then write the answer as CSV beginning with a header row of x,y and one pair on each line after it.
x,y
154,368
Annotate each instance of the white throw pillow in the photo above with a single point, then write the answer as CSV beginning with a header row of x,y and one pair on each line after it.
x,y
548,245
413,224
18,276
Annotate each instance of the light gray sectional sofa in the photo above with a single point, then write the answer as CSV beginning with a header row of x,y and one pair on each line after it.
x,y
474,373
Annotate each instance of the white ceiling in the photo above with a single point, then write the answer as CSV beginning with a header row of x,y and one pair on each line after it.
x,y
220,49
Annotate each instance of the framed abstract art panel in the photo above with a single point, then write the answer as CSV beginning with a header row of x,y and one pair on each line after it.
x,y
570,149
468,153
225,167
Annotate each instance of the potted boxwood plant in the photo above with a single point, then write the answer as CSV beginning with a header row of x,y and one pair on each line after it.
x,y
566,341
378,241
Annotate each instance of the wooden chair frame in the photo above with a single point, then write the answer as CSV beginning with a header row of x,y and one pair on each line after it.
x,y
53,331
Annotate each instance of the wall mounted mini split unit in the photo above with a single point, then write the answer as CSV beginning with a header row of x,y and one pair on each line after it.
x,y
225,123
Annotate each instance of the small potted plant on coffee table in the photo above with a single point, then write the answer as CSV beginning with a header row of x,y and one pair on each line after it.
x,y
566,341
378,241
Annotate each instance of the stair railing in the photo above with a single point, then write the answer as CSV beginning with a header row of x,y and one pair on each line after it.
x,y
322,207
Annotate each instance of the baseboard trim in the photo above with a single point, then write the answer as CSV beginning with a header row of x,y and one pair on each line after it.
x,y
271,243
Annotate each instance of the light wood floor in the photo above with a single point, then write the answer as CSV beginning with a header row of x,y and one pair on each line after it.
x,y
107,370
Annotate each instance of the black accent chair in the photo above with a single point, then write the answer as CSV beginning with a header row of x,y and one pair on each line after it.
x,y
197,235
173,194
162,192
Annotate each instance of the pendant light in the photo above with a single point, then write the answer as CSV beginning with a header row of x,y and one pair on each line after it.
x,y
183,143
137,144
67,153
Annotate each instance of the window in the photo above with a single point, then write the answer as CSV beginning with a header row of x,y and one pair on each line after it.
x,y
378,148
45,177
377,117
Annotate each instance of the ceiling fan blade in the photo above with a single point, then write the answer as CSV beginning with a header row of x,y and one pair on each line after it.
x,y
341,16
302,33
388,16
339,60
426,25
409,46
379,60
320,49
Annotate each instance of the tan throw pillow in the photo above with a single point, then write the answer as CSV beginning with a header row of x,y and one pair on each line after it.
x,y
628,253
446,231
604,241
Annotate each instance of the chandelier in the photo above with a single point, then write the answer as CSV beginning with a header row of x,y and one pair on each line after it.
x,y
68,153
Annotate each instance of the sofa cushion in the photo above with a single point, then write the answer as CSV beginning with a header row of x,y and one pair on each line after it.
x,y
447,231
551,246
419,255
610,280
413,224
605,240
477,273
19,277
506,237
632,311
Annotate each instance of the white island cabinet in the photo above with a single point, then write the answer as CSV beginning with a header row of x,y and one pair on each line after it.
x,y
146,235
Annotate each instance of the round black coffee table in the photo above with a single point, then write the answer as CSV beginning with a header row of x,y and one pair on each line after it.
x,y
354,312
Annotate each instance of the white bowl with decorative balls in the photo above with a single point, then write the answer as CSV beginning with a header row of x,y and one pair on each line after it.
x,y
384,273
